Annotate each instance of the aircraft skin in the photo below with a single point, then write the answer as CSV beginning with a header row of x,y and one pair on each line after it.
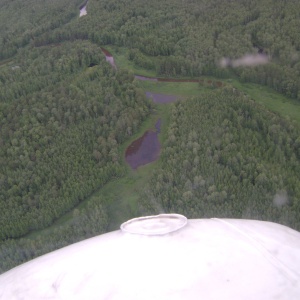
x,y
167,257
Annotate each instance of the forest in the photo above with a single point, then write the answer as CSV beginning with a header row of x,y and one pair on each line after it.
x,y
188,38
235,160
66,114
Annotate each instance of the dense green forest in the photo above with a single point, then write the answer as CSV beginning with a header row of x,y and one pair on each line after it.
x,y
60,130
234,160
174,37
23,21
66,114
188,38
85,223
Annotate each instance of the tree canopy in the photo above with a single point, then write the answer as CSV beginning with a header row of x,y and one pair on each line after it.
x,y
234,160
65,113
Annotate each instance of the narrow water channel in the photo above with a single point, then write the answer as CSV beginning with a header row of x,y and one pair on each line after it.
x,y
145,149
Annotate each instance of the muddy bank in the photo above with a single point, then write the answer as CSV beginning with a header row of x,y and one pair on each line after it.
x,y
109,58
82,9
106,52
145,149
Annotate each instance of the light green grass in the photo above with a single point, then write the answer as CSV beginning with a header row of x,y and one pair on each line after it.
x,y
272,100
173,88
268,97
286,107
123,193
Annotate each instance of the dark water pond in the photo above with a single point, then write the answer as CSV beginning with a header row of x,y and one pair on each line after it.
x,y
161,98
145,149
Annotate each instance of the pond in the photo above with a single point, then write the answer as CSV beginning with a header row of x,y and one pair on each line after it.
x,y
145,149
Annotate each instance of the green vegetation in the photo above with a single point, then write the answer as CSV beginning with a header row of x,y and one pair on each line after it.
x,y
66,116
235,159
174,88
105,210
178,39
122,60
85,223
23,21
272,100
60,142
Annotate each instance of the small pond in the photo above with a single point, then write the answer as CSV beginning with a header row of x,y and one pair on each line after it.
x,y
145,149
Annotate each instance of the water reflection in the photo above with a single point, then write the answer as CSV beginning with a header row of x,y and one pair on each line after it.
x,y
145,149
